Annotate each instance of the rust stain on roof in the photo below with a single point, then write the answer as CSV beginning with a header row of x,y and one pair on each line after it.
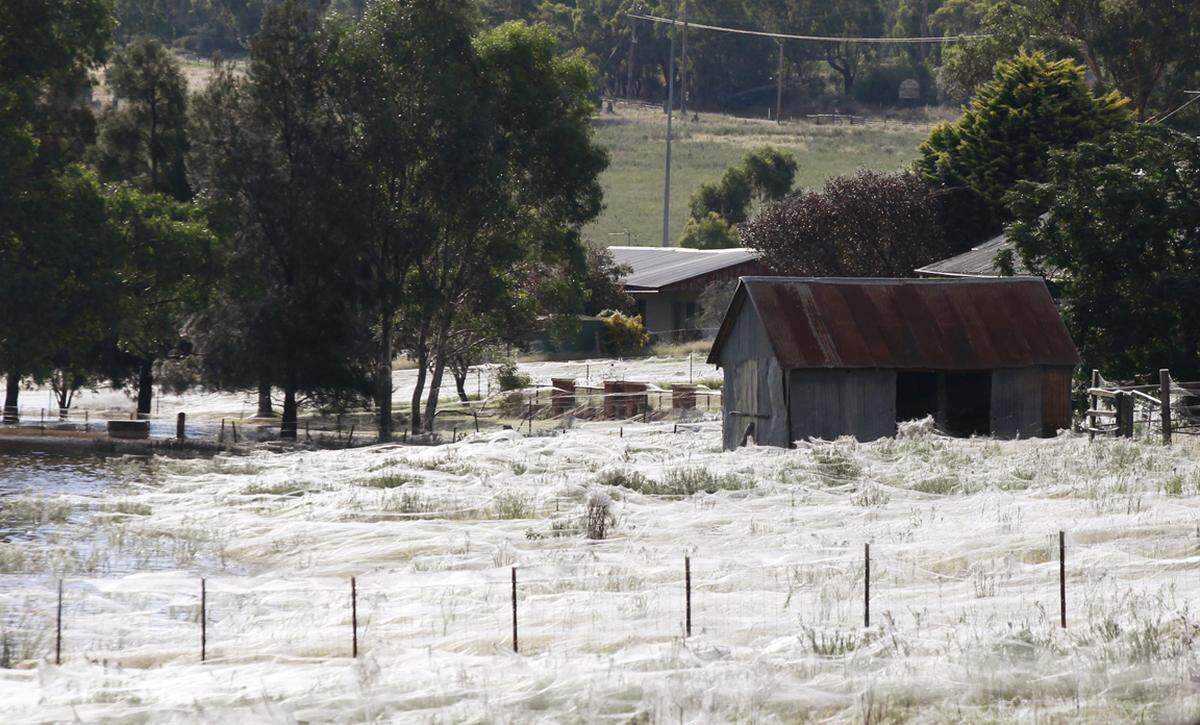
x,y
907,324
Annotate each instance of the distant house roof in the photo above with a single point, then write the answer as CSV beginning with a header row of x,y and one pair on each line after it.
x,y
980,261
906,324
657,267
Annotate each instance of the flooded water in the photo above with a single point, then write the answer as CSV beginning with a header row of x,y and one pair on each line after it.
x,y
68,515
51,475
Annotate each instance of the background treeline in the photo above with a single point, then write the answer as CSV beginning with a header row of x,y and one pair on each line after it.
x,y
1142,49
400,180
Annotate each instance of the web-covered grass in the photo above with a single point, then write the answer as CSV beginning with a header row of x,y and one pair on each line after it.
x,y
964,583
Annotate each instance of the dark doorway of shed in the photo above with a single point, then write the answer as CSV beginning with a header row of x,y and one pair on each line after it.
x,y
968,404
916,395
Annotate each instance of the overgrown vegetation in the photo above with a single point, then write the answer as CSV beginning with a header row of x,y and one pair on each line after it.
x,y
624,335
677,482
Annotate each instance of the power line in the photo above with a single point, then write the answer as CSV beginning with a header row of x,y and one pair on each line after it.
x,y
815,38
1195,97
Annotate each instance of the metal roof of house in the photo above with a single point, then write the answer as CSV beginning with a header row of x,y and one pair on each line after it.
x,y
657,267
905,324
980,261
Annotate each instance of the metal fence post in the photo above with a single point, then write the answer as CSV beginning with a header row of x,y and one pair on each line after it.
x,y
687,583
58,627
1062,578
1164,396
514,608
867,585
203,618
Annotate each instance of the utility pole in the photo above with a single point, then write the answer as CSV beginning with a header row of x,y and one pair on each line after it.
x,y
683,69
666,237
923,50
779,87
632,60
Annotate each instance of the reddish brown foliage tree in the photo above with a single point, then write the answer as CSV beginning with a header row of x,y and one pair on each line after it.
x,y
869,224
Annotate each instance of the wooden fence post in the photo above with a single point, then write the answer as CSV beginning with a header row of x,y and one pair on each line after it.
x,y
203,618
58,628
1164,397
1093,405
514,608
867,585
1062,578
1125,413
354,613
180,423
687,584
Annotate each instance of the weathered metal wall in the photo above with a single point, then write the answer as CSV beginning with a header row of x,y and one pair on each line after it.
x,y
658,312
1016,403
827,404
1056,399
752,396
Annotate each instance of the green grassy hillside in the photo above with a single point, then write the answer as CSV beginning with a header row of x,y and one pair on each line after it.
x,y
635,139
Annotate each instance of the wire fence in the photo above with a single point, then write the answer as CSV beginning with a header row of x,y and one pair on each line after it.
x,y
834,599
534,408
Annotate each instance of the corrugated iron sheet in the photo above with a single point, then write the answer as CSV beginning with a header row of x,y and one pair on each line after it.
x,y
907,324
658,267
980,261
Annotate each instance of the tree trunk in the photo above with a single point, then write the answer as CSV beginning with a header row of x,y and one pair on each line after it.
x,y
265,409
383,379
435,388
419,386
287,426
12,390
145,388
460,382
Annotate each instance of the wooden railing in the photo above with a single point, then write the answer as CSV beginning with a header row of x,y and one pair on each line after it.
x,y
1153,402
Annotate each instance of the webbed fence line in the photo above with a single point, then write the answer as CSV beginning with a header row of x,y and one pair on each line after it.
x,y
835,595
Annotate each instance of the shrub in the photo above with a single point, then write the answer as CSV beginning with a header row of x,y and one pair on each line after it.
x,y
624,479
598,515
510,377
677,482
624,335
835,466
709,232
513,506
388,480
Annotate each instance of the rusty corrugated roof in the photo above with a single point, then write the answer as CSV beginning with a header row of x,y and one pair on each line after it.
x,y
906,324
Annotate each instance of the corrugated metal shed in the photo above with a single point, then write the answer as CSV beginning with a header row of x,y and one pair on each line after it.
x,y
658,267
980,261
905,324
